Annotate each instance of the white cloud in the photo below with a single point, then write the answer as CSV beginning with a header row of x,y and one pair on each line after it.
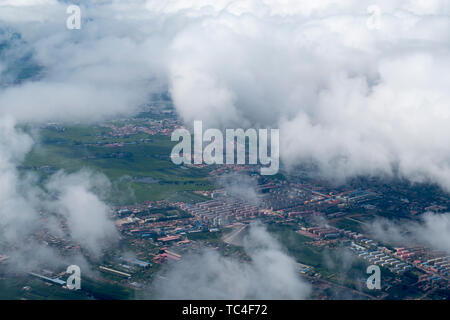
x,y
432,231
26,208
271,274
86,214
351,99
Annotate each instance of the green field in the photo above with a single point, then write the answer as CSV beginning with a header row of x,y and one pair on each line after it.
x,y
205,236
141,157
344,223
296,245
336,265
29,288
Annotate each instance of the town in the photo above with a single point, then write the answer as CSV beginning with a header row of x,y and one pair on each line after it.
x,y
170,211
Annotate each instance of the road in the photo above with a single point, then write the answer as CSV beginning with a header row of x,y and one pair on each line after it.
x,y
229,238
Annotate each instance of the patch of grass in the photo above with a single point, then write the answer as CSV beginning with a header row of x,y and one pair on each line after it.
x,y
296,245
140,156
205,236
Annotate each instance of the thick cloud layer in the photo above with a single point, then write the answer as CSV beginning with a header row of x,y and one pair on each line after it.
x,y
433,231
356,87
352,95
239,186
27,209
15,209
86,214
271,274
102,70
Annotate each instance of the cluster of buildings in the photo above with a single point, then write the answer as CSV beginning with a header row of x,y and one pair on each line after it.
x,y
149,126
320,232
231,168
221,212
273,198
276,196
435,264
381,258
125,267
165,255
440,265
305,269
156,220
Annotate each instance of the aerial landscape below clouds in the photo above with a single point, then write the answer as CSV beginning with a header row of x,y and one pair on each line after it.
x,y
271,274
358,89
353,97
